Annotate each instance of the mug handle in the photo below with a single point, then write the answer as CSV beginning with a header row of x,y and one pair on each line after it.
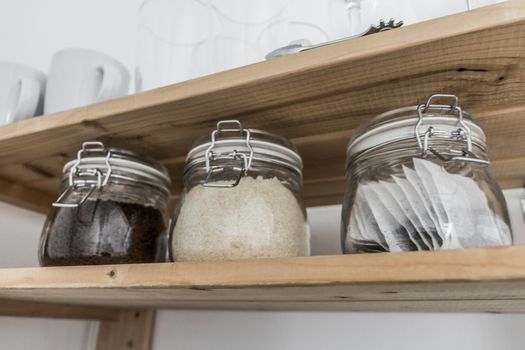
x,y
27,101
111,85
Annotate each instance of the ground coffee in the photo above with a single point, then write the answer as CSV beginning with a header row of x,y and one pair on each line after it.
x,y
103,232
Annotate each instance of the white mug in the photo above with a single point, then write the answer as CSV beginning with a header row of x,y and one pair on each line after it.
x,y
80,77
21,92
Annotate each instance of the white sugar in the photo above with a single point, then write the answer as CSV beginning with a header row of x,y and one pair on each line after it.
x,y
258,218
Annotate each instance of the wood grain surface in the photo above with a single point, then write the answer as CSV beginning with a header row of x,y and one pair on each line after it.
x,y
133,330
17,308
476,280
316,98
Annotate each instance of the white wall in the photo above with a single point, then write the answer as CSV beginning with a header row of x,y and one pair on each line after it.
x,y
336,331
30,31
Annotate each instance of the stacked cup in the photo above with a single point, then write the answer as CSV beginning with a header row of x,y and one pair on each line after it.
x,y
77,77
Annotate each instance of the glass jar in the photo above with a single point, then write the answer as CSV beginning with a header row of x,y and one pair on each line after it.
x,y
418,179
242,198
112,210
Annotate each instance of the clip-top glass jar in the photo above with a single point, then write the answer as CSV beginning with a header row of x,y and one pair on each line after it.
x,y
418,179
241,198
112,210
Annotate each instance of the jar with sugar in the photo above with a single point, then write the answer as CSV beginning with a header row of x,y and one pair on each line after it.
x,y
241,198
418,179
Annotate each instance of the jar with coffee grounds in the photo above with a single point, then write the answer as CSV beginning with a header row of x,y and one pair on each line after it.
x,y
112,210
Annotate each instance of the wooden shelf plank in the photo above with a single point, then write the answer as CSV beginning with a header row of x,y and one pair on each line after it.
x,y
316,98
477,280
17,308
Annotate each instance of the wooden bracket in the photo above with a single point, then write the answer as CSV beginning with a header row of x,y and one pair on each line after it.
x,y
133,330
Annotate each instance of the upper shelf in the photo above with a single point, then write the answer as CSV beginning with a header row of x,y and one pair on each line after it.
x,y
316,98
474,280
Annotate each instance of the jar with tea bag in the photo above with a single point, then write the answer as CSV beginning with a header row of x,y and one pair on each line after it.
x,y
242,198
112,210
418,179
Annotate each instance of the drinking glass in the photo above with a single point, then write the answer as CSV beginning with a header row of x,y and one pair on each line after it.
x,y
185,39
169,33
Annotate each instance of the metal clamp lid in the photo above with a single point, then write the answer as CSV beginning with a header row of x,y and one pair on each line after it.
x,y
84,177
462,133
245,157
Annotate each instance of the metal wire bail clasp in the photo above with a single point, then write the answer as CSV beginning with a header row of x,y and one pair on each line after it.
x,y
228,126
86,177
462,133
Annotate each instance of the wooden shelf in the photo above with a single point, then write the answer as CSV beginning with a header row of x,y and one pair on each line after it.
x,y
316,98
477,280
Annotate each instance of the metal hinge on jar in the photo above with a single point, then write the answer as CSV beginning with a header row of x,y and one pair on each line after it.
x,y
244,158
94,178
462,133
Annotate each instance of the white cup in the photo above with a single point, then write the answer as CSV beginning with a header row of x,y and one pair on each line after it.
x,y
21,92
80,77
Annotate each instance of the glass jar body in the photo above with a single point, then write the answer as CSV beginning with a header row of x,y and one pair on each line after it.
x,y
124,222
261,217
399,200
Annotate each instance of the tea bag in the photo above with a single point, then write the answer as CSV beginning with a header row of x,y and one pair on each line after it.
x,y
365,222
433,191
486,224
504,231
452,197
418,207
395,234
396,201
417,185
358,237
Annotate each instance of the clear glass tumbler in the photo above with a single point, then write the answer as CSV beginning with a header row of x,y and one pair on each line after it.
x,y
186,39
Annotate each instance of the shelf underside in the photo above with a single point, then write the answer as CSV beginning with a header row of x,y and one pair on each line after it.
x,y
316,98
475,280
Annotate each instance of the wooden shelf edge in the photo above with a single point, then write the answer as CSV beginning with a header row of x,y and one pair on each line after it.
x,y
17,308
482,264
492,306
476,280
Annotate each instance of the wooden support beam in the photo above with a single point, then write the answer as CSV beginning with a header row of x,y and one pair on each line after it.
x,y
132,331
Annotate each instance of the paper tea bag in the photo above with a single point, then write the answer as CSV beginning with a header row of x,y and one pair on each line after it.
x,y
395,234
432,190
356,236
398,214
417,185
399,207
365,222
486,223
416,206
471,219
